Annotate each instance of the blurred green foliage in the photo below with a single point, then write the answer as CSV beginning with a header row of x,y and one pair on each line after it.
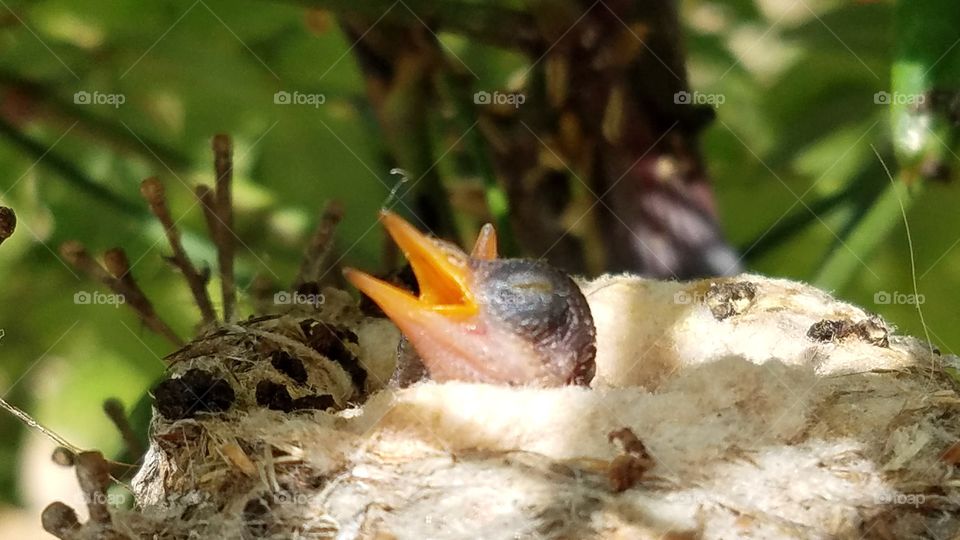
x,y
789,152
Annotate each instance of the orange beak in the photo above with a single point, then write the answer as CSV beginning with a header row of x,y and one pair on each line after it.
x,y
442,272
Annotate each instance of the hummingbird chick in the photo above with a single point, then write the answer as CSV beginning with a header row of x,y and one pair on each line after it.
x,y
483,319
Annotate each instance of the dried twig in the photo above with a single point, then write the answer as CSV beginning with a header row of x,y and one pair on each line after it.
x,y
152,190
118,265
93,474
208,202
261,294
114,410
77,255
223,236
320,246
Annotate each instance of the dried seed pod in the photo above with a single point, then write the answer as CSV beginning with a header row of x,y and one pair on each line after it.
x,y
60,520
63,456
8,223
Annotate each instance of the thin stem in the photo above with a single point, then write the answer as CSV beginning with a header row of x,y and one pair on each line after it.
x,y
223,167
209,204
77,255
153,191
33,424
320,246
114,411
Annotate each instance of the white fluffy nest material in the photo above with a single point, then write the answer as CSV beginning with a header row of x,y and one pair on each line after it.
x,y
761,408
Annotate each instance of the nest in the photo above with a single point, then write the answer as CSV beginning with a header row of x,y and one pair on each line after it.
x,y
746,407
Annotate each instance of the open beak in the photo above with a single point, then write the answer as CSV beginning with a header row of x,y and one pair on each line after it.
x,y
442,272
445,322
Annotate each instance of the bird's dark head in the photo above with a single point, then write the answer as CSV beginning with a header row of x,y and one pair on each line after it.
x,y
484,319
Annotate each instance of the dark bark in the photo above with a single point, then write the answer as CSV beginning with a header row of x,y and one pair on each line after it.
x,y
600,164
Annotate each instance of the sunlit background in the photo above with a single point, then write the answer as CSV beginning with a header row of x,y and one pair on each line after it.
x,y
794,83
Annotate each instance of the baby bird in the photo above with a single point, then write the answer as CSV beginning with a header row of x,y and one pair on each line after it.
x,y
483,319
